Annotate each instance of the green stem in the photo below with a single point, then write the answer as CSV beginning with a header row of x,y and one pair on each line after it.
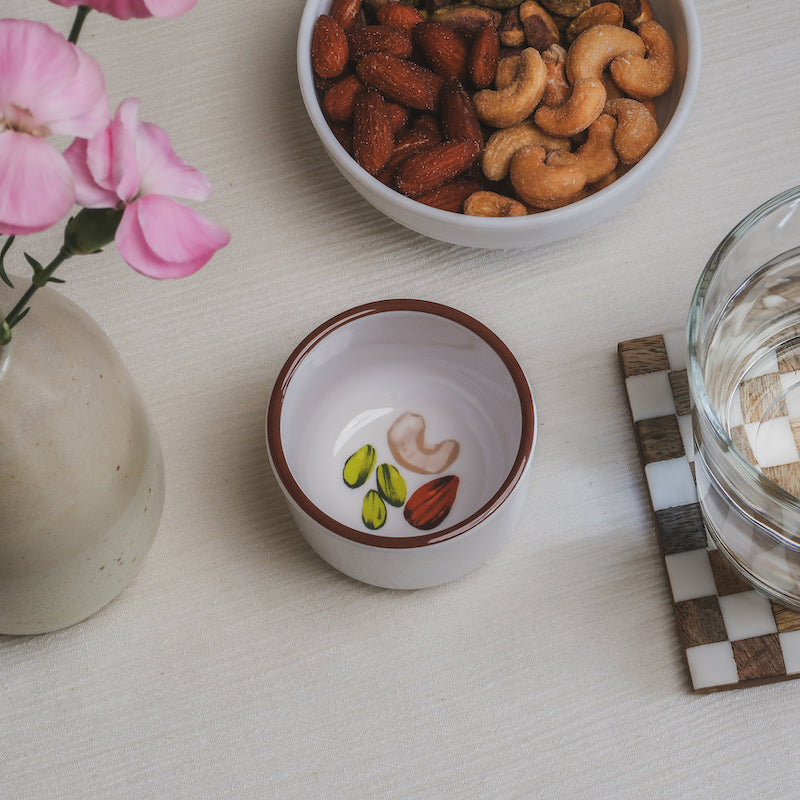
x,y
78,23
39,279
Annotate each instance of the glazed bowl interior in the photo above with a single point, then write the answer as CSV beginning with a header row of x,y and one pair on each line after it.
x,y
350,380
678,17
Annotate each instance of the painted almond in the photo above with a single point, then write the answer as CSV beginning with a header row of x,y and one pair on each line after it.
x,y
339,102
483,57
399,15
431,168
457,112
358,467
373,510
431,503
378,39
391,485
399,80
445,50
373,137
451,196
329,49
346,12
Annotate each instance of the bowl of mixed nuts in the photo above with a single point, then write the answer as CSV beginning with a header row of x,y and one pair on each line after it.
x,y
401,433
498,123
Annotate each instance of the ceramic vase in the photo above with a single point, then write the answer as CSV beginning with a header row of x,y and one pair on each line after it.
x,y
81,469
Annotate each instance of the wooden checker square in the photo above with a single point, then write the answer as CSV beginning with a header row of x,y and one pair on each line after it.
x,y
759,658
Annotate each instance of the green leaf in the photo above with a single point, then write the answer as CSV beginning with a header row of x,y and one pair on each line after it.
x,y
53,279
3,252
37,267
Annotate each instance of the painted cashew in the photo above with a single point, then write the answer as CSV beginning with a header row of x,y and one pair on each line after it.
x,y
491,204
504,143
505,107
650,76
407,443
596,156
637,129
542,186
584,106
596,47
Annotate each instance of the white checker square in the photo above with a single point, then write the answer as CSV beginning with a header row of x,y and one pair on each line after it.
x,y
747,614
690,575
685,427
772,442
790,645
650,395
791,381
712,665
767,363
675,343
671,483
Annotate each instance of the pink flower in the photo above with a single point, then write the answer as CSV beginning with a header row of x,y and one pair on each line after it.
x,y
47,86
125,9
131,165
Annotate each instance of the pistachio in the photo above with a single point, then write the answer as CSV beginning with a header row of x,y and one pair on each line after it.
x,y
567,8
431,503
373,510
358,467
391,485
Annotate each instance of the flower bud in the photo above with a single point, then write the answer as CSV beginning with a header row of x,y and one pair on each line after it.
x,y
91,230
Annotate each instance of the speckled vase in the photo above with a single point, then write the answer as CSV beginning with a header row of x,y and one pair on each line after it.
x,y
81,469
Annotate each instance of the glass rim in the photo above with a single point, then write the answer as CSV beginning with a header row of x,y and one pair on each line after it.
x,y
697,387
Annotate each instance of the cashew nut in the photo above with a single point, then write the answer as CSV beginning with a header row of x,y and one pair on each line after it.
x,y
542,186
650,76
505,107
407,443
601,14
584,106
506,71
491,204
557,90
596,47
504,143
637,129
596,156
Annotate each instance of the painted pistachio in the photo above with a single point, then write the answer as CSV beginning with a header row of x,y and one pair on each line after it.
x,y
358,467
373,510
391,485
431,503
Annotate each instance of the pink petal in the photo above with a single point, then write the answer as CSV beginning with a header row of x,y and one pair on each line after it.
x,y
126,9
88,192
163,239
124,159
46,82
169,8
36,184
165,173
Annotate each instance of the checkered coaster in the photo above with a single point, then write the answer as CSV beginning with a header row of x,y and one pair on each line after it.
x,y
732,636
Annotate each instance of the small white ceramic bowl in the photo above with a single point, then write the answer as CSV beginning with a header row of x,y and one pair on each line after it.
x,y
439,420
679,17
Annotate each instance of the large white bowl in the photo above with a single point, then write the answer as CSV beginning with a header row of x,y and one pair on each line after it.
x,y
677,16
343,388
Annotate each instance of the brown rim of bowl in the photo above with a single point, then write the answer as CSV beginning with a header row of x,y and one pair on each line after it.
x,y
275,445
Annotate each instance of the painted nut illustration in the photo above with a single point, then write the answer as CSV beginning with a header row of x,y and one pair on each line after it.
x,y
431,503
391,485
407,442
358,467
373,510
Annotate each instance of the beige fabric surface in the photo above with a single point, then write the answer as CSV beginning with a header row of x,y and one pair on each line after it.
x,y
238,664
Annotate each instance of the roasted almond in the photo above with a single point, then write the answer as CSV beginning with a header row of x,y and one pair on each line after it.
x,y
399,80
399,15
457,112
373,137
431,168
452,195
444,49
329,49
483,57
339,101
378,39
346,12
466,19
